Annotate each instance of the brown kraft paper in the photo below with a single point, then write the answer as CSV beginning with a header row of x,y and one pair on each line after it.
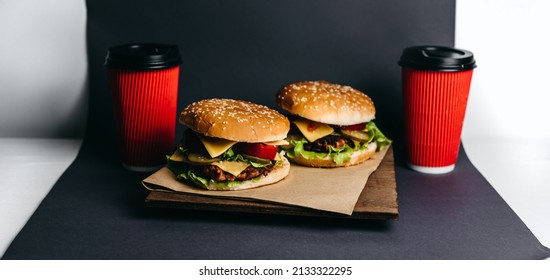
x,y
327,189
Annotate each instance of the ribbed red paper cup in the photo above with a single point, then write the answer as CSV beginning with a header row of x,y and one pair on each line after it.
x,y
144,85
436,84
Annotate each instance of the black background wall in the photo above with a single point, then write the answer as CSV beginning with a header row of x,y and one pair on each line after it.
x,y
249,49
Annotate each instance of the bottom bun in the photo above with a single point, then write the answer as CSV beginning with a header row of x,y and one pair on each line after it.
x,y
278,173
356,158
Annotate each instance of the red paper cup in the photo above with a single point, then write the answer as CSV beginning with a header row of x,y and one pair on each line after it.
x,y
436,85
144,85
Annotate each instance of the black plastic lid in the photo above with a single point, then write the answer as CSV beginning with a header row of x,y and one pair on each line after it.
x,y
437,58
143,56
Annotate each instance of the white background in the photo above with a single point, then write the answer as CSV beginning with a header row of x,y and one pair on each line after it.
x,y
510,94
506,132
43,68
506,135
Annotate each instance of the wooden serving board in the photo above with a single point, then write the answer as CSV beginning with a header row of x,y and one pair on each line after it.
x,y
377,201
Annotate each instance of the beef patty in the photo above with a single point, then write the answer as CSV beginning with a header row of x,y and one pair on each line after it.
x,y
216,173
322,144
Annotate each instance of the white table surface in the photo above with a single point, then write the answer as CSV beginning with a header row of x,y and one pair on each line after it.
x,y
519,171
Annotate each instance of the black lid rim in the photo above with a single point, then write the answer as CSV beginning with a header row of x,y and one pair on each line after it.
x,y
443,68
129,66
437,58
143,56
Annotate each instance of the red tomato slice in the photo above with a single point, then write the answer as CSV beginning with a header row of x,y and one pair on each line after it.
x,y
312,126
359,126
258,150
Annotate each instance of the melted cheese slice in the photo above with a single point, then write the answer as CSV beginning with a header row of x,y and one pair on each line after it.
x,y
313,130
277,143
215,146
233,167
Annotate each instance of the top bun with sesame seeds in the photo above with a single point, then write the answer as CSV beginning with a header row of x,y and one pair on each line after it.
x,y
235,120
230,145
325,102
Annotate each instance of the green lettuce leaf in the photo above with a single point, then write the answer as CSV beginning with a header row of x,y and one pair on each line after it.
x,y
376,135
338,155
342,154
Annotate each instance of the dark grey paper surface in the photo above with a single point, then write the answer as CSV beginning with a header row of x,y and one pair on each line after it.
x,y
453,216
248,49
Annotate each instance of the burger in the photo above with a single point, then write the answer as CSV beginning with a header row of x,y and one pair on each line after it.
x,y
230,145
332,125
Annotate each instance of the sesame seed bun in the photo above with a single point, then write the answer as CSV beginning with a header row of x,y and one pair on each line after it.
x,y
235,120
325,102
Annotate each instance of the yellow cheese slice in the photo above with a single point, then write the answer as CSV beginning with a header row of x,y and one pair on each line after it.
x,y
277,143
177,156
233,167
215,146
313,130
